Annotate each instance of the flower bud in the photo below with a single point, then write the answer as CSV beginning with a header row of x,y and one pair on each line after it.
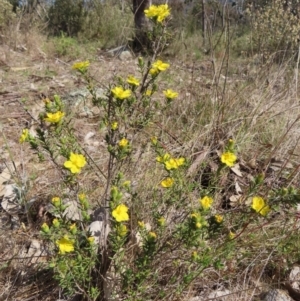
x,y
91,240
161,221
56,223
231,235
152,236
231,145
73,229
218,218
141,62
260,178
141,224
154,140
56,201
194,256
45,228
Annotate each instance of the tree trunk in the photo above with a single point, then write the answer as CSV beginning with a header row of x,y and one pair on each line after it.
x,y
203,22
142,25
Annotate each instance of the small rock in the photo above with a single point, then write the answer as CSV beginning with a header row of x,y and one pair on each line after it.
x,y
294,276
10,202
33,88
80,93
277,295
226,294
83,114
88,136
96,228
36,252
95,111
72,211
116,51
5,221
100,93
125,55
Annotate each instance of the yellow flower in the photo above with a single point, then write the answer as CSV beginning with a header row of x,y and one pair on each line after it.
x,y
167,183
180,161
157,12
160,65
174,163
123,142
56,223
114,125
56,201
25,136
164,158
54,117
45,228
198,225
171,164
151,12
65,245
131,80
91,239
259,205
228,158
148,92
163,12
141,224
81,197
153,71
218,218
75,163
122,230
120,213
81,66
120,93
127,184
73,228
152,235
206,202
170,94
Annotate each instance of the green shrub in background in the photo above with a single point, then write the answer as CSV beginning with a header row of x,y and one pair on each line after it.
x,y
65,46
107,23
66,16
6,13
275,29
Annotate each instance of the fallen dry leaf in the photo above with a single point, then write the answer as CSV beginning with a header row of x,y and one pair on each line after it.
x,y
4,177
236,170
197,162
10,200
